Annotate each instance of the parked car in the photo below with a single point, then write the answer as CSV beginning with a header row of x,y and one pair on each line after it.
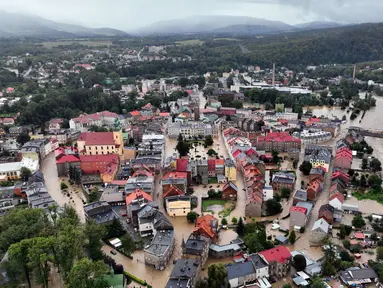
x,y
113,252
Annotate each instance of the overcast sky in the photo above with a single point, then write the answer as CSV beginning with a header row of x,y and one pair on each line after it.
x,y
131,14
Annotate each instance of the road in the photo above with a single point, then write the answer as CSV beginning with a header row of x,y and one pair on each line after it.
x,y
139,54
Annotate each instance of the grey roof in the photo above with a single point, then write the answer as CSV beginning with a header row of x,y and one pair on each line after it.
x,y
321,224
220,248
150,214
258,262
178,198
178,283
111,194
281,239
161,242
299,281
307,205
184,269
354,274
100,211
237,270
350,207
195,246
281,177
301,195
317,171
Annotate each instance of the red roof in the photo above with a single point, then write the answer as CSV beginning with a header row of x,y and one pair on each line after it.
x,y
339,196
278,137
97,138
314,120
99,158
204,225
211,165
138,193
67,159
172,191
182,165
164,114
277,254
219,162
119,182
298,209
343,154
135,113
173,175
339,173
359,235
189,91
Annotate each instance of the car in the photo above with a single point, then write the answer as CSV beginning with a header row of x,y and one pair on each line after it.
x,y
124,215
113,252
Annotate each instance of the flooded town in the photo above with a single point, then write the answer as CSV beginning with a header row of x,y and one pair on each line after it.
x,y
254,177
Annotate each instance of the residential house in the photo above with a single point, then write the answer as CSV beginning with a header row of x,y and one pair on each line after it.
x,y
240,273
14,131
36,149
356,276
191,129
317,173
100,143
229,191
220,167
224,251
196,248
101,212
279,259
55,124
318,156
104,165
319,231
230,171
342,176
184,273
298,216
211,167
343,158
85,121
326,211
38,196
159,251
336,200
177,179
172,191
134,202
206,226
178,205
283,180
313,189
299,196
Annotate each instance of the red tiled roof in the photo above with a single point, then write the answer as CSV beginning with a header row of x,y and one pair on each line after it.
x,y
175,175
278,137
135,113
172,191
119,182
279,254
359,235
211,165
298,209
339,196
138,193
182,165
339,173
219,162
97,138
164,114
203,225
67,159
143,171
99,158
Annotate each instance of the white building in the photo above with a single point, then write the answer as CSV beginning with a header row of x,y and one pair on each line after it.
x,y
191,129
315,137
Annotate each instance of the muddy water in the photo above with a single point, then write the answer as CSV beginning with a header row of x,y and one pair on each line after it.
x,y
52,182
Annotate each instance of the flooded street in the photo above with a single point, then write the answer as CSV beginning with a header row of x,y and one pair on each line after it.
x,y
52,182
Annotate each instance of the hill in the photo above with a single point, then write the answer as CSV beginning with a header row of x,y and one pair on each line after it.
x,y
318,25
16,25
212,24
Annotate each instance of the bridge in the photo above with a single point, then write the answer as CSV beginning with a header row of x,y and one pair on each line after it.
x,y
378,133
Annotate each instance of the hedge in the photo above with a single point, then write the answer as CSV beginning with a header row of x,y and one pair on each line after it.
x,y
135,279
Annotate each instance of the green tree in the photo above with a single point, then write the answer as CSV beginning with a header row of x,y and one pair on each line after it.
x,y
211,152
94,195
192,216
217,276
114,229
224,221
375,181
240,227
94,234
63,186
128,244
253,243
305,167
276,158
286,192
317,282
23,138
379,254
25,173
87,274
183,82
364,163
209,140
234,220
375,165
273,207
358,221
299,262
182,146
342,232
292,237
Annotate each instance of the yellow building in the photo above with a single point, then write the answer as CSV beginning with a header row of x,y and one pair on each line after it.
x,y
100,143
178,205
230,171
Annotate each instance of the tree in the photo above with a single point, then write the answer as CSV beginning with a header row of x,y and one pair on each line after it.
x,y
209,140
87,274
299,262
182,146
234,220
211,152
253,243
358,221
292,237
317,282
268,106
94,195
276,158
273,207
240,227
114,229
23,138
363,181
286,192
189,191
364,163
375,182
305,167
217,276
94,234
128,244
25,173
224,221
379,254
183,82
345,256
342,232
63,186
375,165
192,216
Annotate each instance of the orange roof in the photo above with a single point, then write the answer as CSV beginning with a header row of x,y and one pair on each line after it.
x,y
173,175
203,225
172,191
219,162
138,193
135,113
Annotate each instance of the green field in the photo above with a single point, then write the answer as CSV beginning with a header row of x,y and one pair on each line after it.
x,y
53,44
225,39
207,203
190,42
